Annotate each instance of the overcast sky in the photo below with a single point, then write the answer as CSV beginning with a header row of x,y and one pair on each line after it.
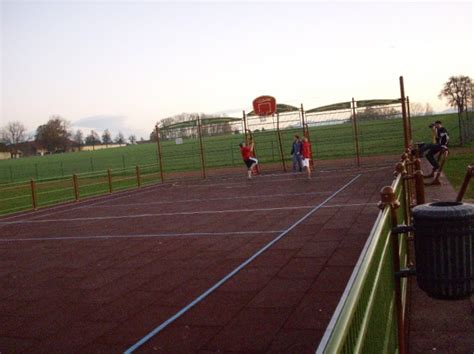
x,y
126,65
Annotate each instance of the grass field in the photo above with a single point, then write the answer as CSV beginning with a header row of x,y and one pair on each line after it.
x,y
53,173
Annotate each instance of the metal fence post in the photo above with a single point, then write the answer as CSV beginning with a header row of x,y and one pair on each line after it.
x,y
356,132
33,194
467,178
137,170
76,187
282,155
160,157
201,148
109,175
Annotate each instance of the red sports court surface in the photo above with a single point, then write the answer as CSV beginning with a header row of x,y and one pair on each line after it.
x,y
217,265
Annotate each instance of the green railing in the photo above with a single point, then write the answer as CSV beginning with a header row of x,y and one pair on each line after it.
x,y
21,196
370,315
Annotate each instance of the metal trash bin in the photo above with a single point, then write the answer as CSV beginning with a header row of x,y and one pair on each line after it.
x,y
444,249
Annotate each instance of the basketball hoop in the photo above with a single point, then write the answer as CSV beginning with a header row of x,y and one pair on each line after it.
x,y
264,106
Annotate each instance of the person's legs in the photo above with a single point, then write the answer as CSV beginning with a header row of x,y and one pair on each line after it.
x,y
253,163
295,163
434,149
307,166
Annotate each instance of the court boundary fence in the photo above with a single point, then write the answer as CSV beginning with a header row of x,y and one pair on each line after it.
x,y
372,312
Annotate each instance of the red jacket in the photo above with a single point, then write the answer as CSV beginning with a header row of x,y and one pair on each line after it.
x,y
306,150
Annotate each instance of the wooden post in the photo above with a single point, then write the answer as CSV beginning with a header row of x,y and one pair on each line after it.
x,y
33,194
109,175
137,172
388,197
76,187
356,131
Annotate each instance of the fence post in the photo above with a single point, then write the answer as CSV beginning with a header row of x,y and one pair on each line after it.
x,y
282,156
76,187
109,174
419,183
137,169
33,194
160,160
388,198
404,114
467,178
203,163
356,131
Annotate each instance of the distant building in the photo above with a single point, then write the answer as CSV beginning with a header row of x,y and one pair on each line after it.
x,y
100,147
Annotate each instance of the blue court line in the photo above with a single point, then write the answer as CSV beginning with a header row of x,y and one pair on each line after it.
x,y
231,274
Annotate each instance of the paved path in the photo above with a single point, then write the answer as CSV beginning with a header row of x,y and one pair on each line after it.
x,y
437,326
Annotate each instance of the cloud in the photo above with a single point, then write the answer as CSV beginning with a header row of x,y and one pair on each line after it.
x,y
113,123
100,123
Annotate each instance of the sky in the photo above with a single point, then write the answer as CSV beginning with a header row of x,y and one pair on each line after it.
x,y
124,66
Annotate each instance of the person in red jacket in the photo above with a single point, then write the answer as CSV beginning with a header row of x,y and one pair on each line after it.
x,y
250,162
306,158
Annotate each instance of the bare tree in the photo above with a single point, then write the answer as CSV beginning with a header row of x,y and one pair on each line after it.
x,y
428,109
93,138
13,133
106,137
133,139
458,91
78,137
416,109
120,139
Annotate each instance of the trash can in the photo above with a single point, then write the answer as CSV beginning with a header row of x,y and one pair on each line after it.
x,y
444,249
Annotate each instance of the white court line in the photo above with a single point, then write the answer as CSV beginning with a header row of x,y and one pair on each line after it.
x,y
231,274
170,214
189,234
213,199
107,237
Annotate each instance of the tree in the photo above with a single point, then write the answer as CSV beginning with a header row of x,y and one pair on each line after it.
x,y
13,133
133,139
54,135
428,110
458,91
120,139
416,109
78,137
106,137
93,138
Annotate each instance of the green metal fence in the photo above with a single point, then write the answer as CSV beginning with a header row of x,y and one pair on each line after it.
x,y
370,315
